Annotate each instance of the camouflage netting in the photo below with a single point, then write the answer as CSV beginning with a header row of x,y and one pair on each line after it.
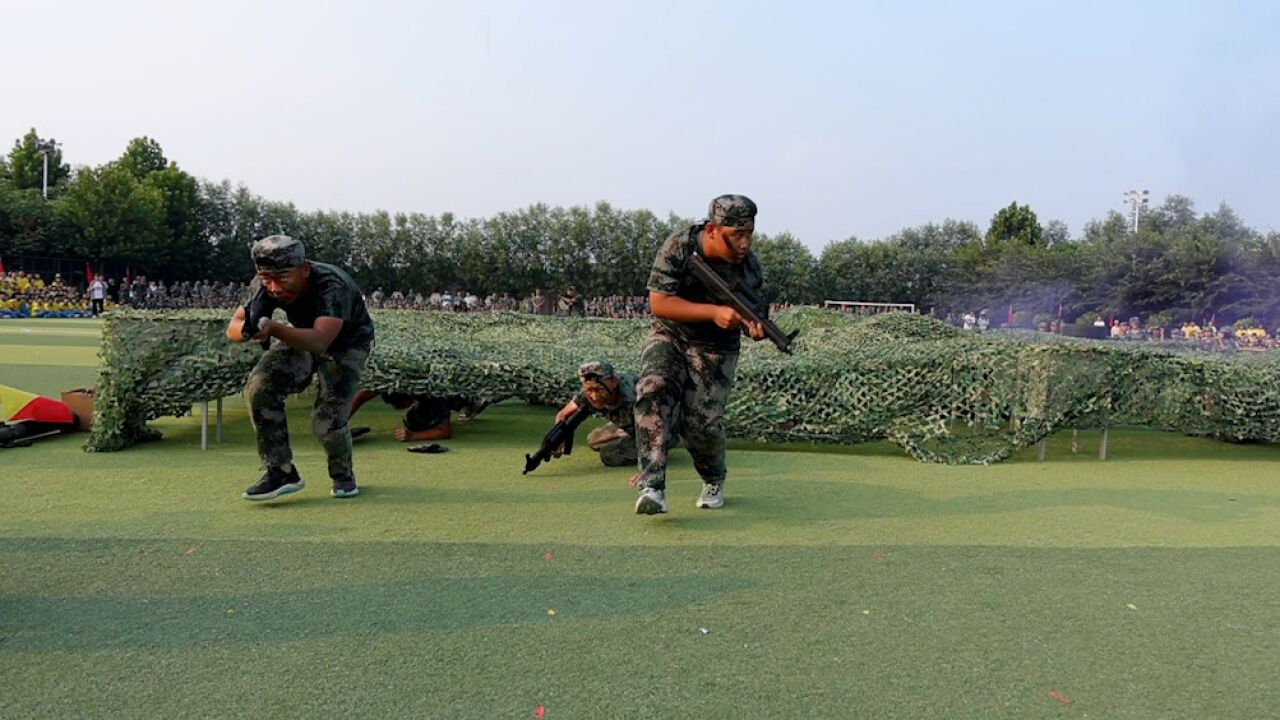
x,y
942,394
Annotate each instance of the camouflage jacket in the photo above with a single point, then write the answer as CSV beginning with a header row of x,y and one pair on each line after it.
x,y
670,276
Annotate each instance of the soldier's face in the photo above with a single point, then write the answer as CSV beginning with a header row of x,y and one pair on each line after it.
x,y
601,394
734,242
286,285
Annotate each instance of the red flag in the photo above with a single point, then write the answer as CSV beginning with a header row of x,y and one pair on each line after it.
x,y
1010,314
128,275
88,272
16,405
1,267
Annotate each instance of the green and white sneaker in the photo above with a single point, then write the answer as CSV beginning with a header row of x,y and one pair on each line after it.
x,y
651,502
712,496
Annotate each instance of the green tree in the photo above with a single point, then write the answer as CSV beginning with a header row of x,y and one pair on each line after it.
x,y
184,218
1056,234
26,163
1016,224
142,157
113,215
788,268
27,223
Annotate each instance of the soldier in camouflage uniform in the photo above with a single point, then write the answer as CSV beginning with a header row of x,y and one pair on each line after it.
x,y
691,355
329,334
613,396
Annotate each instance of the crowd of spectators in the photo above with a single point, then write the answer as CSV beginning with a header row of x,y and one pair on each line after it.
x,y
1246,335
447,301
28,295
617,307
141,293
25,294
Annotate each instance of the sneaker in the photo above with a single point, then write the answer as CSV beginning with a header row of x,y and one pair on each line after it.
x,y
651,502
274,484
344,488
712,496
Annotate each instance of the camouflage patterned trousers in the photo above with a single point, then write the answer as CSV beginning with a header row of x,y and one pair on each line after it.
x,y
284,371
616,447
685,384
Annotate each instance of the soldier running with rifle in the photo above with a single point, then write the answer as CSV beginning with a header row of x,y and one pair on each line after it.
x,y
691,356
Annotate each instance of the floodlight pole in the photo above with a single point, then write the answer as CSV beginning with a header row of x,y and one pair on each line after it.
x,y
1138,200
45,147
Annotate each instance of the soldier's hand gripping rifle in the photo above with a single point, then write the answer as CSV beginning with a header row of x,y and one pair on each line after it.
x,y
742,300
260,307
560,434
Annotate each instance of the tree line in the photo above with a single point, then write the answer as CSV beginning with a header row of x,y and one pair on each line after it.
x,y
144,211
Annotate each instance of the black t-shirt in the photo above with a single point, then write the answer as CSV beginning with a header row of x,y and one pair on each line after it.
x,y
330,293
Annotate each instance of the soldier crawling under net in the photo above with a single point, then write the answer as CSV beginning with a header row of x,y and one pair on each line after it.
x,y
426,417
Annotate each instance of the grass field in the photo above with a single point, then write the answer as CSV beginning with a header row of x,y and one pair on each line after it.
x,y
837,582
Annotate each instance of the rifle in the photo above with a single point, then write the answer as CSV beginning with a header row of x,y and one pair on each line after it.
x,y
560,434
734,298
260,306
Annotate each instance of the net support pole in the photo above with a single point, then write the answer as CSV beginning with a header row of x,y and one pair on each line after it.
x,y
204,425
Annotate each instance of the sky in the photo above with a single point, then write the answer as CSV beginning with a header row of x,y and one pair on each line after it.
x,y
840,119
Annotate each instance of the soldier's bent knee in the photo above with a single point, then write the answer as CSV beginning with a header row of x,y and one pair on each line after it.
x,y
651,386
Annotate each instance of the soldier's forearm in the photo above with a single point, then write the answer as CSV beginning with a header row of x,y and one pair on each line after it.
x,y
305,339
672,307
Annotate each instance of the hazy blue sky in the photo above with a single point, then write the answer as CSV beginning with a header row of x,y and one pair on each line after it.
x,y
839,119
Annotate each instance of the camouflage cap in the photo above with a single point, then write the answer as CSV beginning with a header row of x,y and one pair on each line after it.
x,y
733,211
599,370
278,252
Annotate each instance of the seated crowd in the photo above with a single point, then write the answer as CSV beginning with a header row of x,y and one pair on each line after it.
x,y
28,295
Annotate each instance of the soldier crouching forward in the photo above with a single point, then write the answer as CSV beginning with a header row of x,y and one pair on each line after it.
x,y
690,358
330,337
613,396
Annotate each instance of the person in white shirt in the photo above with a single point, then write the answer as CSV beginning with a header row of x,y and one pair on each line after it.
x,y
97,295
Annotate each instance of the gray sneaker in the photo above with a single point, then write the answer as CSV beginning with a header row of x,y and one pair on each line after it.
x,y
344,488
712,496
651,502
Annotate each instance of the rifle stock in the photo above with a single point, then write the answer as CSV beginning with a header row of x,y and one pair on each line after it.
x,y
727,296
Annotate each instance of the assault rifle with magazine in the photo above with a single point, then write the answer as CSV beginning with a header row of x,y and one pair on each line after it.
x,y
742,300
559,435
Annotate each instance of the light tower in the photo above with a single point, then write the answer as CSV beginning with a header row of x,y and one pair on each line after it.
x,y
1137,200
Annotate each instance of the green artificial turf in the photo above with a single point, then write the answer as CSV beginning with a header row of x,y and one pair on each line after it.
x,y
49,356
836,582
